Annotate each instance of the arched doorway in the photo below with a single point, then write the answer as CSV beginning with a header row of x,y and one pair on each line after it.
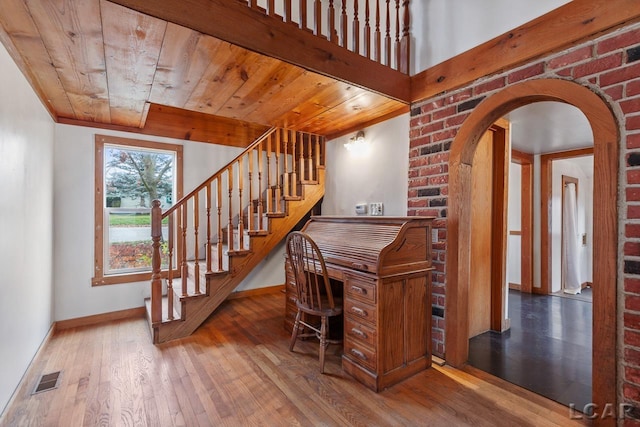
x,y
606,142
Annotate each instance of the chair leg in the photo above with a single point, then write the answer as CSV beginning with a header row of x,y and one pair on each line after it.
x,y
323,342
294,332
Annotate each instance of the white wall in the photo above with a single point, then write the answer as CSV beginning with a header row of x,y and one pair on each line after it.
x,y
74,223
26,193
379,175
581,168
442,29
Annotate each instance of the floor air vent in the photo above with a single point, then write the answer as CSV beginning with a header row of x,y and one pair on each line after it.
x,y
47,382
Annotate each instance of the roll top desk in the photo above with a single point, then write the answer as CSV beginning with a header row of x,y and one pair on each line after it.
x,y
384,264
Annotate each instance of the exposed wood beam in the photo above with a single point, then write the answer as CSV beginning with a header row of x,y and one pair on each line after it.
x,y
360,126
188,125
554,31
236,23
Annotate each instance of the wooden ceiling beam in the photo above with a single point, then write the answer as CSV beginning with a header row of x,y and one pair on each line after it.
x,y
188,125
552,32
236,23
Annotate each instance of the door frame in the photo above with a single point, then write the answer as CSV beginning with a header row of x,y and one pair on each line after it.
x,y
499,181
525,160
546,166
606,132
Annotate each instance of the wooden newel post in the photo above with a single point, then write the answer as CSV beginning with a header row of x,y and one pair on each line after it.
x,y
156,277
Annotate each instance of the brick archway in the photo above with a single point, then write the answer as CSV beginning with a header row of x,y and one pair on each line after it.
x,y
606,141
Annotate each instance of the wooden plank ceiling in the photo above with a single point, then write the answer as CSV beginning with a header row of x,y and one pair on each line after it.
x,y
96,63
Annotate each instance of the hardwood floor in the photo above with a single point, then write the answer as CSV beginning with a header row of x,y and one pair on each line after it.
x,y
237,370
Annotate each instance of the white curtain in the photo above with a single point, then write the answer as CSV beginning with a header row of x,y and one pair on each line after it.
x,y
570,242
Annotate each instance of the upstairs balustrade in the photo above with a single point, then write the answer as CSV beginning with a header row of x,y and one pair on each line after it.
x,y
219,217
376,29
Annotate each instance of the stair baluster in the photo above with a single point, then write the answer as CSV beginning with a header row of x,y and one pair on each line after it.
x,y
397,41
208,244
269,189
310,157
240,205
377,56
219,207
280,190
170,294
317,18
301,168
387,38
367,31
331,15
250,222
260,206
230,242
355,44
196,253
285,174
293,186
303,14
184,271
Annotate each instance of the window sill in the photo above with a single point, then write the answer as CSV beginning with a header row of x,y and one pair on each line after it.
x,y
115,279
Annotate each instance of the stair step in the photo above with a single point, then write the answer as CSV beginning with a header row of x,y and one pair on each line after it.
x,y
239,252
276,214
290,198
191,282
165,305
259,233
309,182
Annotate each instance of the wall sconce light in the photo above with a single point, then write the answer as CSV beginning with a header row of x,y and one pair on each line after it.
x,y
357,143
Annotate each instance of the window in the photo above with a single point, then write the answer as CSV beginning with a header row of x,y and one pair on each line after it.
x,y
130,174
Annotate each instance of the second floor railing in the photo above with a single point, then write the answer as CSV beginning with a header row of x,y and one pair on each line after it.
x,y
376,29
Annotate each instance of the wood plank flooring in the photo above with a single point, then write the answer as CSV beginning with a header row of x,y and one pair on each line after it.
x,y
237,370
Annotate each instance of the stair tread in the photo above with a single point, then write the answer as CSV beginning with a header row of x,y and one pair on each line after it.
x,y
191,287
276,214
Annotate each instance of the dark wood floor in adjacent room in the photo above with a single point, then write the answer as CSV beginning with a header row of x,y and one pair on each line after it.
x,y
547,349
237,370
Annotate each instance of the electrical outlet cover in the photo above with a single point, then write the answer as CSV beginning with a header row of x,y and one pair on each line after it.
x,y
376,209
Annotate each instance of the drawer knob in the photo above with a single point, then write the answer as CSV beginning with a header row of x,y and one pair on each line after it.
x,y
359,311
358,290
358,353
358,332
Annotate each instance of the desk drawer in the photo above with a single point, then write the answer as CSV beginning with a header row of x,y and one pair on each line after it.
x,y
360,288
356,330
360,310
360,354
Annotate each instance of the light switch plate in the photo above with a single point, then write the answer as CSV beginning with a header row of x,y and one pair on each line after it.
x,y
361,209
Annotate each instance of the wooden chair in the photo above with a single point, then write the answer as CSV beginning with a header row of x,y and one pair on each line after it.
x,y
314,293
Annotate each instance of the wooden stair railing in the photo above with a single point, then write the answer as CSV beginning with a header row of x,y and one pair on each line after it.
x,y
198,237
332,23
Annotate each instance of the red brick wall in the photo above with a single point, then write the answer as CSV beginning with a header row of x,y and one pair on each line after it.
x,y
609,65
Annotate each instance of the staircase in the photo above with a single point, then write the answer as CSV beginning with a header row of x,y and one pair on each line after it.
x,y
210,240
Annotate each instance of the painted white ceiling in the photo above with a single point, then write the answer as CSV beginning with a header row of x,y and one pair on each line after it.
x,y
548,127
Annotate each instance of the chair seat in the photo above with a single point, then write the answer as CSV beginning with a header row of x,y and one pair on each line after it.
x,y
337,310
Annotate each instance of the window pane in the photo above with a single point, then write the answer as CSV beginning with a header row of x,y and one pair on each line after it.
x,y
133,179
129,240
